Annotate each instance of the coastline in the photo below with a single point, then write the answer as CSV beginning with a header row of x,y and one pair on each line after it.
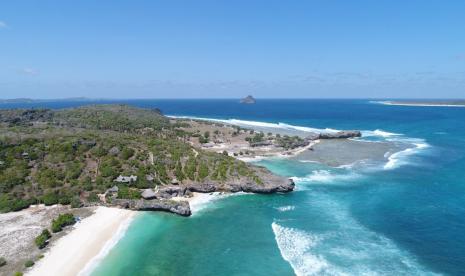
x,y
279,154
87,243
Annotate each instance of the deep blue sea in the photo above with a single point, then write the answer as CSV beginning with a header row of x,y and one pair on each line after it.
x,y
404,218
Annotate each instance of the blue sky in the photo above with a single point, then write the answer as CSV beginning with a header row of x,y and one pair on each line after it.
x,y
228,49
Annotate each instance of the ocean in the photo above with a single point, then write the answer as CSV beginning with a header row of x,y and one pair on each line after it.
x,y
404,215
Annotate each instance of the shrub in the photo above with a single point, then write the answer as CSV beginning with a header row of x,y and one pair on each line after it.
x,y
75,202
50,198
203,140
2,261
18,274
19,204
127,153
93,197
29,263
65,200
127,193
42,240
62,221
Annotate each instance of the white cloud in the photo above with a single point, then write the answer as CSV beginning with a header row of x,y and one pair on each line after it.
x,y
2,25
29,71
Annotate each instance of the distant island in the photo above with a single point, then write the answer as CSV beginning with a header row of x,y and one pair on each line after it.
x,y
248,100
443,103
29,100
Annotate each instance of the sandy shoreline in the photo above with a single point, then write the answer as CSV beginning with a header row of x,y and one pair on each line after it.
x,y
73,252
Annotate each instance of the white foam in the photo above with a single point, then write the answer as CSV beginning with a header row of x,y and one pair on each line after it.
x,y
308,161
286,208
93,263
340,245
417,104
246,123
202,201
295,246
400,158
379,133
324,176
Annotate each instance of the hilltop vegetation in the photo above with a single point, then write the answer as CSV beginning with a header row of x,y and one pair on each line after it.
x,y
71,156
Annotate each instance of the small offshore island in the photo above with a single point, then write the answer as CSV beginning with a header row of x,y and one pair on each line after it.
x,y
78,162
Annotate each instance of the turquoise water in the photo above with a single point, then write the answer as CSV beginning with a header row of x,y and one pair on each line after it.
x,y
405,216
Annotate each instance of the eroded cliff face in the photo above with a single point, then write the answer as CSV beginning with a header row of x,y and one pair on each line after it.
x,y
163,200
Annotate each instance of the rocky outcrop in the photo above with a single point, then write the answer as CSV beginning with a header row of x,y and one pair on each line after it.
x,y
249,187
248,100
269,184
171,191
177,207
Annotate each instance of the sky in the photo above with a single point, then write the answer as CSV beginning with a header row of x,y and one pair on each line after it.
x,y
229,49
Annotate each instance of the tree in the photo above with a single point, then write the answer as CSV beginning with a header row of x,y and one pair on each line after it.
x,y
127,153
63,220
203,171
29,263
128,193
50,198
2,261
42,240
178,171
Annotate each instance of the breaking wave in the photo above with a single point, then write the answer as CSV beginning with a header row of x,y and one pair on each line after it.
x,y
246,123
325,176
400,158
379,133
203,201
335,251
295,246
285,208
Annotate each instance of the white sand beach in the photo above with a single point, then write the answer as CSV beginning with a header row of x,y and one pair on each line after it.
x,y
70,254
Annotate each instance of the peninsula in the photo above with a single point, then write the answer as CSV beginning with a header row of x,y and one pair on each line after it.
x,y
105,161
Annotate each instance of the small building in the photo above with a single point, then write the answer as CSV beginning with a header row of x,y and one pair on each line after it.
x,y
174,181
126,179
148,194
149,178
